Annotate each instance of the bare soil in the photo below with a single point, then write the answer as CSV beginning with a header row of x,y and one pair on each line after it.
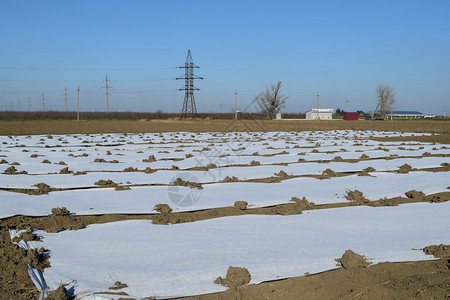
x,y
354,279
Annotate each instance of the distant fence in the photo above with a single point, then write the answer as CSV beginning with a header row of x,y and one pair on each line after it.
x,y
72,115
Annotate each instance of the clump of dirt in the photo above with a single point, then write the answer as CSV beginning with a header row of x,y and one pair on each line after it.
x,y
107,182
189,155
441,251
241,204
59,294
45,161
151,158
149,170
416,195
122,188
191,184
364,156
357,197
62,163
426,154
3,161
236,277
131,169
404,169
369,169
65,171
328,173
281,174
118,285
163,208
26,236
230,179
446,166
60,211
255,163
80,173
338,158
438,198
211,166
352,260
174,167
303,203
13,171
42,188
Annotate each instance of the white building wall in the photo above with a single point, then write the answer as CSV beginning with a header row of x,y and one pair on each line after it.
x,y
323,113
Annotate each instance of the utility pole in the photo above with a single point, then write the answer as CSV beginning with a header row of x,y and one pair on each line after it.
x,y
235,104
43,103
78,104
347,104
65,95
29,104
317,106
107,105
19,105
189,107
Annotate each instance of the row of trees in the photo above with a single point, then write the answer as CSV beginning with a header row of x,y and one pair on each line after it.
x,y
272,100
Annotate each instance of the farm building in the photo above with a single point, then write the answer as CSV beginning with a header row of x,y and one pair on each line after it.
x,y
322,114
405,114
351,116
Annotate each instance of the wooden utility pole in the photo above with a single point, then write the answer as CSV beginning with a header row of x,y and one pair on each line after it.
x,y
347,104
43,103
19,105
65,96
29,104
235,104
78,104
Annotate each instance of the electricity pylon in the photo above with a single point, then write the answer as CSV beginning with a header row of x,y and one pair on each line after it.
x,y
189,107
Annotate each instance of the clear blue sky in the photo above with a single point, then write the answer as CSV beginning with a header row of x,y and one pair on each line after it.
x,y
337,48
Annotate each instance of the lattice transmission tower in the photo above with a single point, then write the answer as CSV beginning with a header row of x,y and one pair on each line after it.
x,y
189,107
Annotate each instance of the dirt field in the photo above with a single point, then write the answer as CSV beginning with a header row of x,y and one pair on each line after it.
x,y
406,280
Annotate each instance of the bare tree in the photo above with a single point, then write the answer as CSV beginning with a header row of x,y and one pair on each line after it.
x,y
386,99
271,101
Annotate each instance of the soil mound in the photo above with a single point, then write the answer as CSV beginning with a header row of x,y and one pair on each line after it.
x,y
328,173
255,163
441,251
281,174
59,294
191,184
230,179
118,285
417,195
352,260
236,277
163,208
107,182
303,203
57,211
151,158
241,204
357,197
65,171
131,169
404,169
369,169
42,189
